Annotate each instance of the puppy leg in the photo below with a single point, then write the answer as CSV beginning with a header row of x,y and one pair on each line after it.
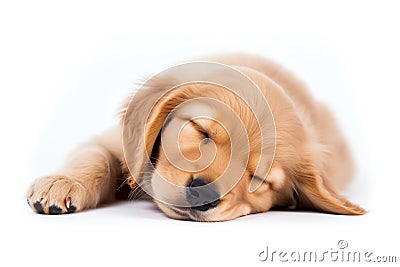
x,y
87,178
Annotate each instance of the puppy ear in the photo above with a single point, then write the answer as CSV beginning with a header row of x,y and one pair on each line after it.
x,y
142,119
314,193
159,113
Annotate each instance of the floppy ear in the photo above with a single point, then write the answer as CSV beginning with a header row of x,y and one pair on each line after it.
x,y
159,113
314,193
141,121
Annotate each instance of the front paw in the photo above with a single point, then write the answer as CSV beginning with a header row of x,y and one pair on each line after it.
x,y
57,194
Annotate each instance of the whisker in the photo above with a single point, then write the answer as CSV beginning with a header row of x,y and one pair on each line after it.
x,y
123,183
139,190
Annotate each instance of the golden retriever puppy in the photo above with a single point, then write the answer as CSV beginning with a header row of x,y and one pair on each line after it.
x,y
211,141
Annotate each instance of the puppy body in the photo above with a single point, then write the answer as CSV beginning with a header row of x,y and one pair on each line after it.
x,y
310,165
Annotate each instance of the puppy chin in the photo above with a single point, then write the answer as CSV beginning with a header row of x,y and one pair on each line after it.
x,y
214,215
171,213
181,213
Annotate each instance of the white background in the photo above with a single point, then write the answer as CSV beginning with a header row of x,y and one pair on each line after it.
x,y
65,67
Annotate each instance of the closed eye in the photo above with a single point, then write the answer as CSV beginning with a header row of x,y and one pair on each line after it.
x,y
257,178
201,130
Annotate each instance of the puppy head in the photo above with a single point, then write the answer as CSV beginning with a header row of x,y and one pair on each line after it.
x,y
207,149
203,149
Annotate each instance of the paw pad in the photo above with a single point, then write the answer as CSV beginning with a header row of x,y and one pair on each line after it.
x,y
53,209
38,207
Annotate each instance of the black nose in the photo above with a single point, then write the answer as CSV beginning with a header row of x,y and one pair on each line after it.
x,y
201,196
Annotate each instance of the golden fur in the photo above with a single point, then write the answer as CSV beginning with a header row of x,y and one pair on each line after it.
x,y
311,163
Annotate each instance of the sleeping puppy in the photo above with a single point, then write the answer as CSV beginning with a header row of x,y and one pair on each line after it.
x,y
211,141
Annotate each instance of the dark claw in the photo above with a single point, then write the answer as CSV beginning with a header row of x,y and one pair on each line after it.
x,y
38,207
27,200
71,209
53,209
